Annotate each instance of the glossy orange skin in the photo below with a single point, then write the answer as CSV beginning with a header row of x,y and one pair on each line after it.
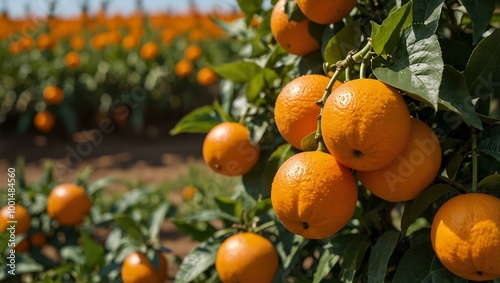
x,y
296,112
72,59
465,235
68,204
192,53
149,51
227,149
53,95
313,195
326,11
21,215
293,36
183,68
44,121
412,171
246,258
365,124
206,77
137,268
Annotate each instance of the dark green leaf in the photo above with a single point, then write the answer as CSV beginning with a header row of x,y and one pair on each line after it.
x,y
261,207
330,256
417,206
311,63
427,12
453,165
385,37
455,53
417,68
271,165
199,231
492,181
197,261
94,253
480,12
482,73
309,143
260,83
420,264
347,39
353,256
157,218
69,118
230,206
454,96
293,12
489,141
25,121
256,182
200,120
380,254
129,225
239,72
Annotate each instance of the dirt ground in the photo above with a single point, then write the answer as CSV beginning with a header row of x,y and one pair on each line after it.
x,y
151,156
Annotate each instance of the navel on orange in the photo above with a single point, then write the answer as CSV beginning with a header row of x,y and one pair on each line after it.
x,y
365,124
313,195
465,235
228,150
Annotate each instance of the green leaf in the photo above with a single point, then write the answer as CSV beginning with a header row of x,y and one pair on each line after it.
x,y
427,12
385,37
94,253
330,256
482,73
200,120
234,29
211,214
454,96
453,165
480,12
260,83
309,142
130,226
261,207
455,53
199,231
347,39
353,256
490,181
311,63
157,218
380,254
417,206
250,7
489,141
239,72
197,261
417,65
99,185
230,206
293,11
420,264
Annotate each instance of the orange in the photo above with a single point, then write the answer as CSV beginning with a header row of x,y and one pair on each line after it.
x,y
130,41
326,11
183,68
38,239
246,258
99,41
465,235
168,35
149,51
15,213
196,34
228,150
77,42
53,95
72,59
293,36
413,170
365,124
206,77
23,246
45,42
192,53
188,192
137,268
296,112
44,121
313,195
68,204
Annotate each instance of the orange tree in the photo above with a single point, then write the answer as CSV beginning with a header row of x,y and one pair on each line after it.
x,y
414,125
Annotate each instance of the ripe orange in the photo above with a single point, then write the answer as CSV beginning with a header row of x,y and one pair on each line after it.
x,y
192,53
168,35
313,195
246,258
183,68
188,192
38,239
45,42
23,246
137,268
413,170
296,112
293,36
365,124
44,121
68,204
130,41
72,59
77,42
227,149
99,41
53,95
149,51
326,11
465,235
20,214
206,77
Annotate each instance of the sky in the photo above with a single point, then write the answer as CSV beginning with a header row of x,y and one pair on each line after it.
x,y
16,8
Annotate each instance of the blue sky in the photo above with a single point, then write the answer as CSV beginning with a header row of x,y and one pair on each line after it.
x,y
16,8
